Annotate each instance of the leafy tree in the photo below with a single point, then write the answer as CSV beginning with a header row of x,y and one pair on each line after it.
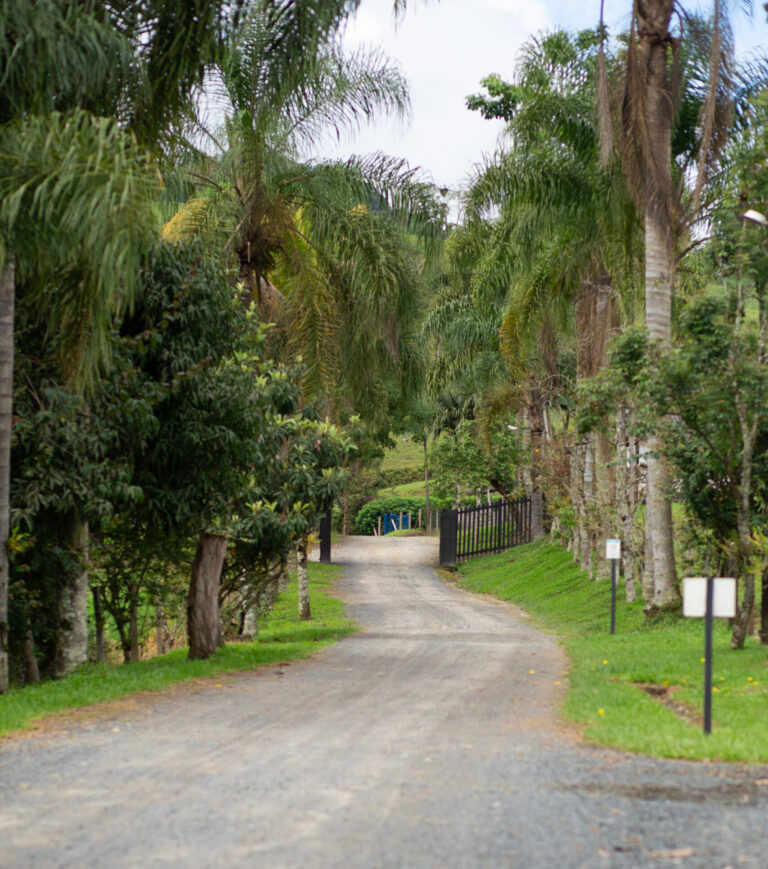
x,y
73,181
476,458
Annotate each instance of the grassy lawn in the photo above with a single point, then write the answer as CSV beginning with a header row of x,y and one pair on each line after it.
x,y
282,638
607,671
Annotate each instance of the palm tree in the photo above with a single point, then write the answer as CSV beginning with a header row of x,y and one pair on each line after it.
x,y
336,238
325,233
652,105
562,250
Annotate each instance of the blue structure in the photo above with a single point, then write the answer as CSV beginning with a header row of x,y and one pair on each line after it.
x,y
392,522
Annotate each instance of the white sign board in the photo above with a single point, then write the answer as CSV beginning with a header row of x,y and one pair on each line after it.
x,y
613,549
695,597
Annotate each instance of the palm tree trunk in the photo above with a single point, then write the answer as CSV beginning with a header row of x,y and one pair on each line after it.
x,y
659,270
627,477
7,296
72,627
658,314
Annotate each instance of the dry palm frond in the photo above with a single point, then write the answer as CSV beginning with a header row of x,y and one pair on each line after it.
x,y
603,101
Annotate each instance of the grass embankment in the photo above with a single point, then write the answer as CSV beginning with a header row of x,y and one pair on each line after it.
x,y
406,455
282,637
608,672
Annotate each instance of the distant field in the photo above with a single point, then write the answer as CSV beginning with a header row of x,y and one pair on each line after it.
x,y
405,490
406,455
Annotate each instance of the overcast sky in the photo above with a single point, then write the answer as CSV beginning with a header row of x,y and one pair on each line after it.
x,y
444,49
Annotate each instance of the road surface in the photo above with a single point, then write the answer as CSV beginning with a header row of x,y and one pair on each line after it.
x,y
430,739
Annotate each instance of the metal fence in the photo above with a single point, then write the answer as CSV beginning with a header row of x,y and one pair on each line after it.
x,y
476,531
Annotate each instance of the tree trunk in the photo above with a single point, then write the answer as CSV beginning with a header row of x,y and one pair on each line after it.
x,y
653,20
159,626
251,622
72,627
7,294
203,625
133,624
605,500
586,534
658,515
626,499
302,580
658,316
426,487
98,618
577,497
744,614
31,670
536,423
647,555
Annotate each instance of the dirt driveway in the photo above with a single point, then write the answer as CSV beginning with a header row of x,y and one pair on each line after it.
x,y
428,740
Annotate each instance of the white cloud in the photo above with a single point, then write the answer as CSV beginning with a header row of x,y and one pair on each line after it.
x,y
445,48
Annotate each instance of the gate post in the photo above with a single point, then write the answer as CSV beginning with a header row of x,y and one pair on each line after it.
x,y
449,529
537,516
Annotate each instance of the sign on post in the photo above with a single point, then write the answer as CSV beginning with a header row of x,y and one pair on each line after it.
x,y
613,554
709,598
695,597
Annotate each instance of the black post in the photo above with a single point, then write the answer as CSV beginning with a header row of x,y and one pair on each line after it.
x,y
613,595
448,538
325,538
708,620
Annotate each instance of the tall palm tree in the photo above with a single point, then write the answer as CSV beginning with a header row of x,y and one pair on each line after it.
x,y
564,229
334,237
652,103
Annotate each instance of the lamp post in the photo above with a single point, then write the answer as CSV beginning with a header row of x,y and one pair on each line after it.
x,y
755,217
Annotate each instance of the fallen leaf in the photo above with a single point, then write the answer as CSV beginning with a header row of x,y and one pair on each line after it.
x,y
672,853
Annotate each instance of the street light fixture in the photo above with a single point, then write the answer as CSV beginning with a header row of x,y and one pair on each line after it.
x,y
756,217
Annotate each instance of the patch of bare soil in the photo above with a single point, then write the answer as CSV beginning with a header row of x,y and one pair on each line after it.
x,y
665,694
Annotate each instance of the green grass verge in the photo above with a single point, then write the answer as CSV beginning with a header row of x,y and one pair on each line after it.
x,y
282,637
605,694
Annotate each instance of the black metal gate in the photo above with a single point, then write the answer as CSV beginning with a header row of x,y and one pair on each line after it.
x,y
474,531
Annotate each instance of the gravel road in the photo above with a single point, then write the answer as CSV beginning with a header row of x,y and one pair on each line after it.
x,y
427,740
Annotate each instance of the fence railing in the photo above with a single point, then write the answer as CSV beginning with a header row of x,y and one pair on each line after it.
x,y
474,531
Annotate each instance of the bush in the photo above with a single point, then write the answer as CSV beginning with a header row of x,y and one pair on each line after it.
x,y
368,517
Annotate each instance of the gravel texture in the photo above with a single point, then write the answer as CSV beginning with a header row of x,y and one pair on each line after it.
x,y
423,741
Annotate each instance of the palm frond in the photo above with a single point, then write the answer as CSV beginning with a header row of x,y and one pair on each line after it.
x,y
74,212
